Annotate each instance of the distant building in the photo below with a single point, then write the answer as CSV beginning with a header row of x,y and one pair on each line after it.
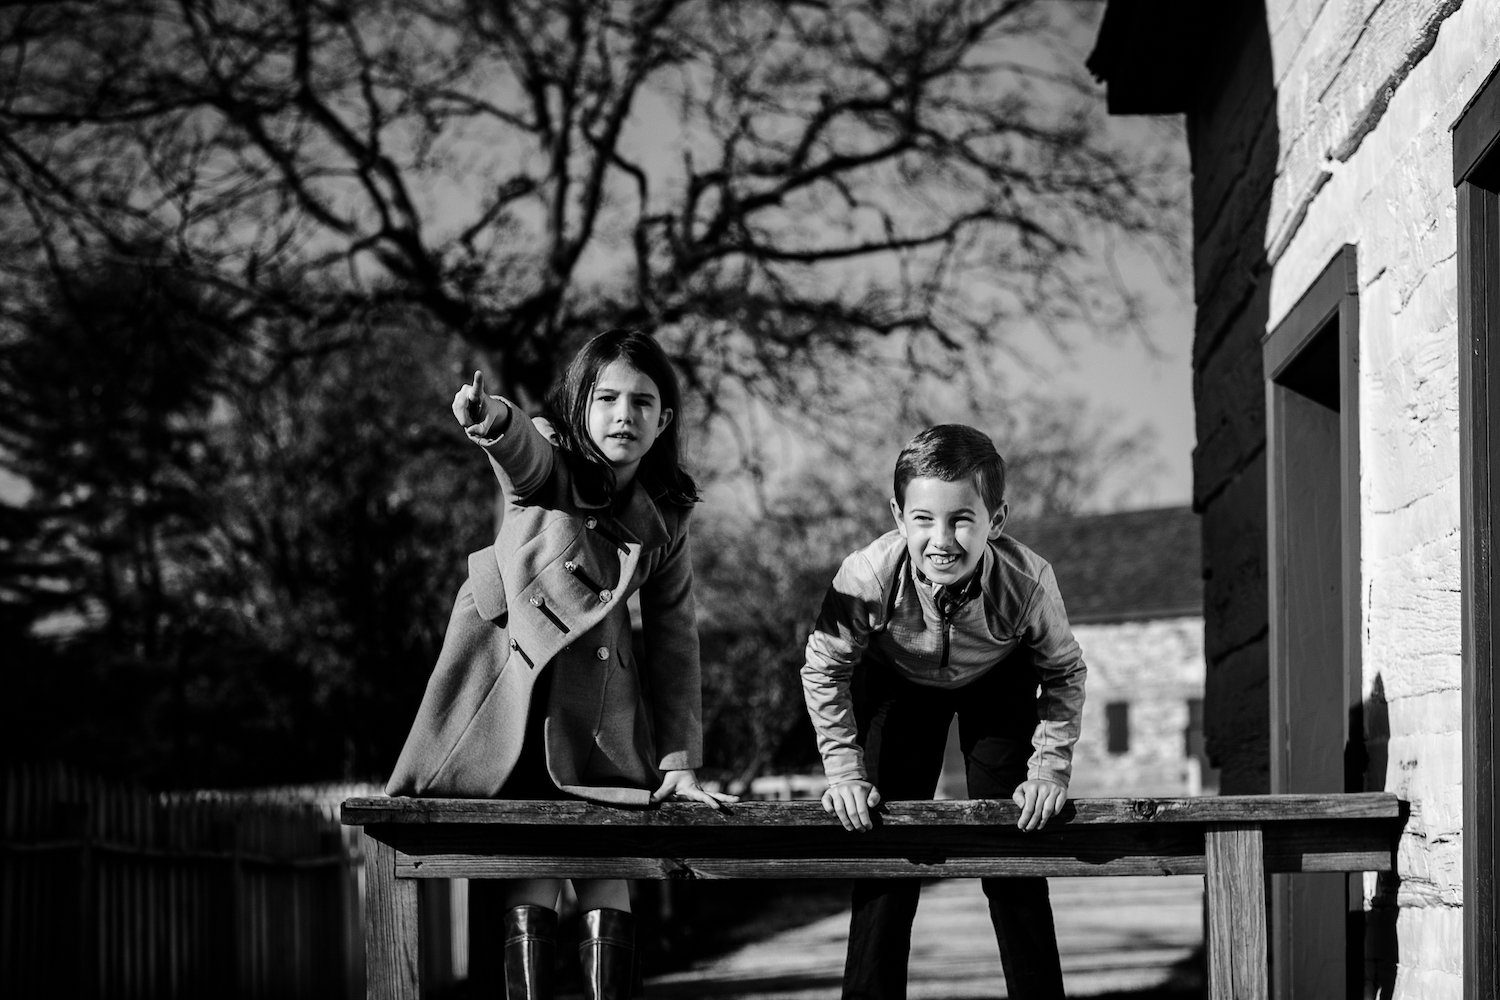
x,y
1131,582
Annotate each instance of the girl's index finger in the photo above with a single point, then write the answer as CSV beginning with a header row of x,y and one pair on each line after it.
x,y
479,382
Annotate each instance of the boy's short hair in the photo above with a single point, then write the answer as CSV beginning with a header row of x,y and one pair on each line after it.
x,y
953,452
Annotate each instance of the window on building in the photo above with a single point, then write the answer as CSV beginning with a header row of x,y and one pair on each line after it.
x,y
1192,736
1117,726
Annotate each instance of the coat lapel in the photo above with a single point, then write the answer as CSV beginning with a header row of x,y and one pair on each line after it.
x,y
642,519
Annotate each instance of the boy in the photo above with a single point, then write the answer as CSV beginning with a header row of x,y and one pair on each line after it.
x,y
946,616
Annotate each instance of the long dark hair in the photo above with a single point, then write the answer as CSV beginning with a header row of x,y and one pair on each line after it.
x,y
661,470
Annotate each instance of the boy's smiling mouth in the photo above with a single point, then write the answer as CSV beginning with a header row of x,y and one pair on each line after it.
x,y
943,560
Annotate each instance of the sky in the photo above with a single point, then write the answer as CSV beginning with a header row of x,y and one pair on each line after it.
x,y
1138,384
1138,378
1150,385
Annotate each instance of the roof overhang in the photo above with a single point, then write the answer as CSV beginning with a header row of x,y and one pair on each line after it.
x,y
1147,54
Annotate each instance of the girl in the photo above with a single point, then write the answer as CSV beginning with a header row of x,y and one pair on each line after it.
x,y
536,693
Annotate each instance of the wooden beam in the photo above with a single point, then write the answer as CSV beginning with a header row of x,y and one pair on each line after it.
x,y
1236,888
805,813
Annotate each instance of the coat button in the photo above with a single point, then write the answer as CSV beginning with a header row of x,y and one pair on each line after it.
x,y
591,522
514,644
605,595
570,566
602,652
537,600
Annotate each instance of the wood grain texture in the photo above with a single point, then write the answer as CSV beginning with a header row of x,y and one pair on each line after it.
x,y
955,812
390,925
493,851
1236,887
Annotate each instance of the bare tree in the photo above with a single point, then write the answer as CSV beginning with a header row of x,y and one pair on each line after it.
x,y
758,181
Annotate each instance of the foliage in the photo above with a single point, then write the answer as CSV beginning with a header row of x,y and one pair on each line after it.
x,y
759,179
247,248
226,568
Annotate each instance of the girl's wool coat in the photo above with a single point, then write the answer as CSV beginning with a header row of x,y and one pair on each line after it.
x,y
550,594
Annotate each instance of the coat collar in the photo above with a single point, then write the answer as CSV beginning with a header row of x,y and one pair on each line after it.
x,y
640,516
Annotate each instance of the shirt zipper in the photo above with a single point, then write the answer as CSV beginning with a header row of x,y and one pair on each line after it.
x,y
947,632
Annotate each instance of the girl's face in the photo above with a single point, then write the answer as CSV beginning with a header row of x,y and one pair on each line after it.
x,y
625,416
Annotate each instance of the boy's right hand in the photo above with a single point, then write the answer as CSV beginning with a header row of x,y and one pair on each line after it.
x,y
471,405
852,802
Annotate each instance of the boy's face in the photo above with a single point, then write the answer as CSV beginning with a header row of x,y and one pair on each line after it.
x,y
946,525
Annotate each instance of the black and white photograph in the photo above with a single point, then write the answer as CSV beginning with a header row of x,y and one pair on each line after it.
x,y
749,499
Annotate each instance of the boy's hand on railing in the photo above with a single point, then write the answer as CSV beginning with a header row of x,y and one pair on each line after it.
x,y
852,801
1039,800
683,785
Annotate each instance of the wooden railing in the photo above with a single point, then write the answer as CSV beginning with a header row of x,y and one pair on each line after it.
x,y
1233,841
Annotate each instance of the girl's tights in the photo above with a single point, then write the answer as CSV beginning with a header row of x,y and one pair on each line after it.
x,y
593,894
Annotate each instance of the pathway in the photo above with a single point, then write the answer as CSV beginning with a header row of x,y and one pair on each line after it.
x,y
1116,934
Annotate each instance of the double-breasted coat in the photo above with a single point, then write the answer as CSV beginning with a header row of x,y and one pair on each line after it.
x,y
550,594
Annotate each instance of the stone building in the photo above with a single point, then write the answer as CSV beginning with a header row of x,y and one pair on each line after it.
x,y
1346,258
1132,584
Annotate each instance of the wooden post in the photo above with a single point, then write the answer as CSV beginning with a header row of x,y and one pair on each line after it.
x,y
1235,878
391,961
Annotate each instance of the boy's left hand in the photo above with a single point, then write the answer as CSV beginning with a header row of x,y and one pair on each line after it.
x,y
1039,800
684,785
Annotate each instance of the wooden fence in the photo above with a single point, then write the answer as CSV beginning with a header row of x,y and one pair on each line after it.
x,y
1233,841
108,891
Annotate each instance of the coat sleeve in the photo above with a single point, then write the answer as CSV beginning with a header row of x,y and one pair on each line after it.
x,y
834,649
521,456
1061,671
669,633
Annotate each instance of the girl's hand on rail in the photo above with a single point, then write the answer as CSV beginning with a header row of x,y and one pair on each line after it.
x,y
683,786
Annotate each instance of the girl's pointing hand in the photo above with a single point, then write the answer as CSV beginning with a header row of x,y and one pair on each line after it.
x,y
470,404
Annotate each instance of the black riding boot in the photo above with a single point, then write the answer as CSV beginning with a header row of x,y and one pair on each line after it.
x,y
607,952
530,950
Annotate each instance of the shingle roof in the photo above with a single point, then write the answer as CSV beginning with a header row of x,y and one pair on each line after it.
x,y
1132,565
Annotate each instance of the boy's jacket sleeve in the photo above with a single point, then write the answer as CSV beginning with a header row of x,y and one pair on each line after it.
x,y
1060,668
837,643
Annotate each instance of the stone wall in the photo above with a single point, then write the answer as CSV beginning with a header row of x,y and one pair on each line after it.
x,y
1333,130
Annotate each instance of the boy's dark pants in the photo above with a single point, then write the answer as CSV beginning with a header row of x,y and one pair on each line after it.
x,y
904,730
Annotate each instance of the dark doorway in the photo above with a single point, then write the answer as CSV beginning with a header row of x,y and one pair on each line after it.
x,y
1476,173
1311,364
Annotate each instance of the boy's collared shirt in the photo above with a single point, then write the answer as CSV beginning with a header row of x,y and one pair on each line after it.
x,y
878,608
